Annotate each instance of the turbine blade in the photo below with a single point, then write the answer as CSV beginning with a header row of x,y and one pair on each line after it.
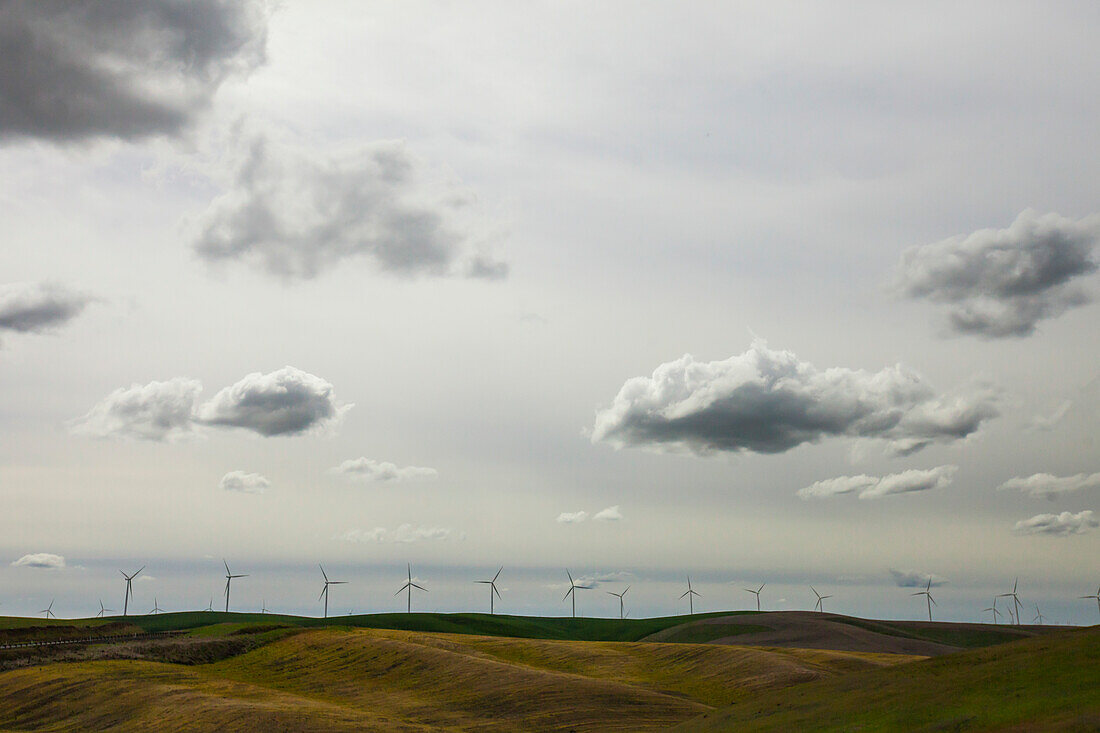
x,y
498,574
226,564
323,571
570,576
496,591
414,585
627,588
568,592
684,593
323,592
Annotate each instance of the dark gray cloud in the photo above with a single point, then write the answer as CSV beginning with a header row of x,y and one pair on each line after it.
x,y
38,307
155,411
75,69
284,402
766,401
999,283
1059,525
914,579
296,214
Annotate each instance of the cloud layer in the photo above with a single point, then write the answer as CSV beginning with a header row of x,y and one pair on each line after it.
x,y
403,533
572,517
248,483
38,307
1059,525
284,402
873,487
296,214
999,283
1049,486
75,69
368,469
45,560
610,514
914,579
767,401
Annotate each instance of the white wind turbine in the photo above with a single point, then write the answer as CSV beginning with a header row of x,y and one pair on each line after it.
x,y
1095,597
620,597
156,607
993,610
1015,602
757,594
229,579
324,591
573,588
129,589
927,593
103,610
409,585
492,588
819,606
48,610
1038,615
690,596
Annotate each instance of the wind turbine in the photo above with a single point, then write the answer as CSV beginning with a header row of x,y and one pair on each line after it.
x,y
129,589
1015,601
1096,597
156,607
573,588
409,585
324,591
1038,615
229,579
209,606
620,597
757,594
103,610
492,588
263,606
48,610
819,607
690,596
994,610
927,593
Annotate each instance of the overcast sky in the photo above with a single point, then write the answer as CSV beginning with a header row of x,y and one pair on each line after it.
x,y
785,294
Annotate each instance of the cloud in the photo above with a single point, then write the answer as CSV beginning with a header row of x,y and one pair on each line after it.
x,y
155,411
766,401
572,517
45,560
403,533
1059,525
874,487
1042,422
999,283
284,402
914,579
248,483
77,69
1050,486
297,213
610,514
38,307
368,469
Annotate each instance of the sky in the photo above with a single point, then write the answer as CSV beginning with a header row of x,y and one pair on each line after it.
x,y
795,295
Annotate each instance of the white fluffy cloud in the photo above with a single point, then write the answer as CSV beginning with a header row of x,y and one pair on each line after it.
x,y
572,517
874,487
914,579
1049,486
284,402
1000,283
39,307
248,483
368,469
297,213
74,69
403,533
45,560
610,514
1059,525
154,411
767,401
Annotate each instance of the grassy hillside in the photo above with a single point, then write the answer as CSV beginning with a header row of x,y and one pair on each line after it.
x,y
349,679
1050,682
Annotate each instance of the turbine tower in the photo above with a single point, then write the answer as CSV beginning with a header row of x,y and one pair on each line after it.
x,y
263,606
103,610
129,589
819,606
573,588
156,607
620,597
492,588
1095,597
209,606
757,594
927,593
229,579
324,591
48,610
690,596
409,585
1015,601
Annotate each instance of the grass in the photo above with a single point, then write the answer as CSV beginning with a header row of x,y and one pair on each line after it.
x,y
964,638
704,633
1050,682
